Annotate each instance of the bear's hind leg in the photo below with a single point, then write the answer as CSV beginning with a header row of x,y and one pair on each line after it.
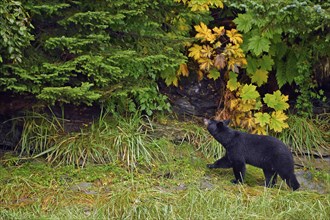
x,y
270,177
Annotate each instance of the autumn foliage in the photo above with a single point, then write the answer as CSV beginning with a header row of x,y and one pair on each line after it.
x,y
218,51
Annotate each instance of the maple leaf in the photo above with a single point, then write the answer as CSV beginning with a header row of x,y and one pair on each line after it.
x,y
260,77
199,6
220,61
234,36
258,44
266,63
244,22
252,65
217,3
234,63
233,104
249,92
217,45
219,31
277,121
262,118
259,130
204,33
183,70
205,63
249,123
195,51
233,51
213,74
207,51
277,101
232,83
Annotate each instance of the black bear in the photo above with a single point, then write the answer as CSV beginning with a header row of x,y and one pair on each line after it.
x,y
265,152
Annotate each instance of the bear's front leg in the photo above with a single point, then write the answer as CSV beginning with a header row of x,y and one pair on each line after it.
x,y
239,171
221,163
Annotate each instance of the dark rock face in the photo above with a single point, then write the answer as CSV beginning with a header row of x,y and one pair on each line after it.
x,y
9,133
195,98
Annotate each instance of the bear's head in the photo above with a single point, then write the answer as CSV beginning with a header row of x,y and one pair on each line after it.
x,y
215,127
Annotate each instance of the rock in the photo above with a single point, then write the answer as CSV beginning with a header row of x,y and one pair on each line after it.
x,y
194,98
10,133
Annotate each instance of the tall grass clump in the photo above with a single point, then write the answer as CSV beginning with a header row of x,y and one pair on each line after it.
x,y
199,137
38,133
308,136
107,139
192,133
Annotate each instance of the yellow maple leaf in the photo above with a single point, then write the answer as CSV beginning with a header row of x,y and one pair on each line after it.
x,y
199,6
249,123
219,31
277,121
195,51
238,118
205,63
259,130
233,104
183,70
234,36
247,105
218,3
204,33
217,45
207,51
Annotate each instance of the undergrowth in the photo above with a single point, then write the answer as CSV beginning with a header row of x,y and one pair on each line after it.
x,y
308,136
133,140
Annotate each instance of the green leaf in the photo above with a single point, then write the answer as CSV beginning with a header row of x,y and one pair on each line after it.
x,y
244,22
258,44
266,62
277,101
262,118
260,77
252,65
249,92
232,83
213,74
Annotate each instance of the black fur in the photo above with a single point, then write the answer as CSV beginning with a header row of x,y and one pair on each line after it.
x,y
265,152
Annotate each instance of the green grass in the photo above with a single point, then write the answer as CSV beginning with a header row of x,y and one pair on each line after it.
x,y
132,168
171,190
308,136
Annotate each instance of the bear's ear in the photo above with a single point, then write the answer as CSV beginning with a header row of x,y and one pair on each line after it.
x,y
226,122
220,124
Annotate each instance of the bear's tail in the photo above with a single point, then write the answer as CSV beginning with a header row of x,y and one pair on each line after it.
x,y
293,182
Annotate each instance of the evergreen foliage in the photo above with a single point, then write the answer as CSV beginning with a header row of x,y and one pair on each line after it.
x,y
109,52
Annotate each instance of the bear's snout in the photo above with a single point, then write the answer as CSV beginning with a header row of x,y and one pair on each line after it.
x,y
206,121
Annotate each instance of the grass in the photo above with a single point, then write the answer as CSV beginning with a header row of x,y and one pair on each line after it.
x,y
308,136
132,168
171,190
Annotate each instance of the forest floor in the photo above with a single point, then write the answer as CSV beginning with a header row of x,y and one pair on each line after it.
x,y
180,187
